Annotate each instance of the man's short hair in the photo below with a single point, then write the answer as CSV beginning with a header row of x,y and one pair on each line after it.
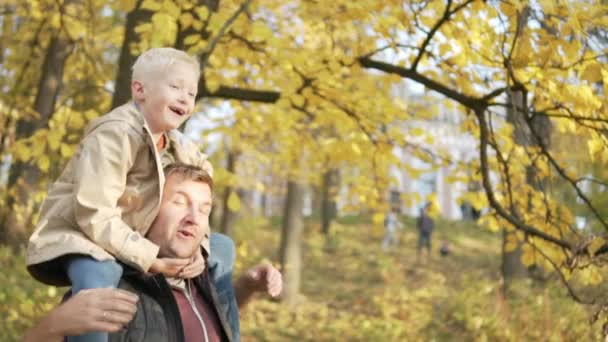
x,y
157,61
189,172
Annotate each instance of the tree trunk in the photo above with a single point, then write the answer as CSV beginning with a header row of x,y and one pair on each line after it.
x,y
331,180
22,175
228,216
512,268
122,87
290,252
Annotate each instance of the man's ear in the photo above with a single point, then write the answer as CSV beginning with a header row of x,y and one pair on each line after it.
x,y
137,90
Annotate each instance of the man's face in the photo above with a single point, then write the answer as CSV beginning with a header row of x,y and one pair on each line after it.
x,y
183,219
167,100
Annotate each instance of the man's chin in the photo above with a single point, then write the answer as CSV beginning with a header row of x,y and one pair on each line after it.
x,y
183,253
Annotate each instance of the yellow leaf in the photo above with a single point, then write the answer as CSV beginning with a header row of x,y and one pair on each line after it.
x,y
186,20
66,150
126,5
76,121
592,72
508,9
171,8
595,245
605,77
416,131
355,148
91,114
298,100
378,218
594,146
528,257
142,28
234,203
260,31
22,152
491,223
212,84
202,12
43,163
192,39
153,5
54,140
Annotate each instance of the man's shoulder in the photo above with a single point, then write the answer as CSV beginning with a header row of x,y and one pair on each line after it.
x,y
150,321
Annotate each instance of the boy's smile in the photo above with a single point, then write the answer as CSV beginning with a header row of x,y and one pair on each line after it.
x,y
167,100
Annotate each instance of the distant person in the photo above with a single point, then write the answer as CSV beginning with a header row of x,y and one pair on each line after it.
x,y
391,224
445,248
425,225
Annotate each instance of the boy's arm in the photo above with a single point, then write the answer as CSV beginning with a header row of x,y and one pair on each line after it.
x,y
106,156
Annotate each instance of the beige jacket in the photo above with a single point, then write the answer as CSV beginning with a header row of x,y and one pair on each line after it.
x,y
109,193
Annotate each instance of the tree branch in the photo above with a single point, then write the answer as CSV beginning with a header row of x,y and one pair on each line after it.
x,y
483,157
465,100
220,33
242,94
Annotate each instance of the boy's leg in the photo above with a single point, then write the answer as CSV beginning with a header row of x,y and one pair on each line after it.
x,y
87,273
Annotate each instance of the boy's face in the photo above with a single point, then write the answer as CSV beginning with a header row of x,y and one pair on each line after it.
x,y
167,100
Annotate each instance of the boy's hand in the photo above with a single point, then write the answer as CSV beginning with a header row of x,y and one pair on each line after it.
x,y
194,268
170,267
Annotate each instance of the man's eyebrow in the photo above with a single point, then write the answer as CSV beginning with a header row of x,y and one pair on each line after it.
x,y
185,194
181,193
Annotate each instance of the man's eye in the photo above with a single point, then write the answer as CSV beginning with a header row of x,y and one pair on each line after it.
x,y
179,200
174,86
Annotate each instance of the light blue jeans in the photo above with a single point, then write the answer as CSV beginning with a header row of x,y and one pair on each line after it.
x,y
221,262
87,273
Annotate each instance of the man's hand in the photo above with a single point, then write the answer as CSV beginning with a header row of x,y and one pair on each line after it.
x,y
194,268
102,309
261,278
170,267
264,278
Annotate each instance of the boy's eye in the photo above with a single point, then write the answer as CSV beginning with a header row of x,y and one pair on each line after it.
x,y
174,86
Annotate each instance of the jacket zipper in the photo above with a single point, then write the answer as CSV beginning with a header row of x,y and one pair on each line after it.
x,y
188,294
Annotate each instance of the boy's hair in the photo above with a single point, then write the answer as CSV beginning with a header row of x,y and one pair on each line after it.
x,y
157,60
189,172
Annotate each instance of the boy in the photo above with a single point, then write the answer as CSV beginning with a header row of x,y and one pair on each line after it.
x,y
109,193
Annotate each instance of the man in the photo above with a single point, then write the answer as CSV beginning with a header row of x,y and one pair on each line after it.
x,y
200,309
169,309
425,225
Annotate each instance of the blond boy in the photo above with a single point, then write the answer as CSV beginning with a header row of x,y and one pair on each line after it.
x,y
104,202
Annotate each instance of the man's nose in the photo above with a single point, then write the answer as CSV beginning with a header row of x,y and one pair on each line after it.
x,y
193,217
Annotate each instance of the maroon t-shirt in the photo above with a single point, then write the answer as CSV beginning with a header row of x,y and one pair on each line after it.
x,y
193,332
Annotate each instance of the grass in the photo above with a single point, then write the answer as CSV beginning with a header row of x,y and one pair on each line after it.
x,y
352,290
